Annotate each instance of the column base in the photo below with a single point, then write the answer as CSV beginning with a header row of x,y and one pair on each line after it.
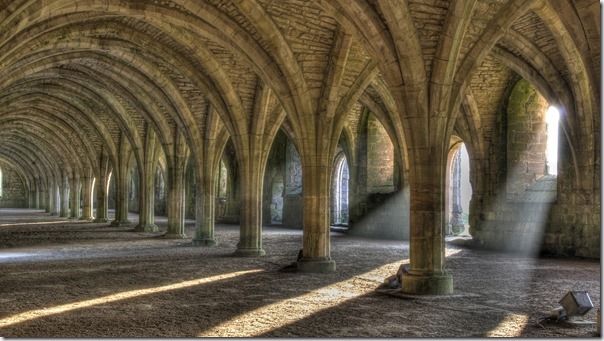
x,y
175,236
427,284
204,242
316,265
249,252
101,220
117,223
146,228
85,218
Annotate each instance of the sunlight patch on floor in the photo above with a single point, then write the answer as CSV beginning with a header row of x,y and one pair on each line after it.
x,y
39,223
4,255
511,326
257,322
45,312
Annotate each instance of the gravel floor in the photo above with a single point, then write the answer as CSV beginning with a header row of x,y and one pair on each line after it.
x,y
75,279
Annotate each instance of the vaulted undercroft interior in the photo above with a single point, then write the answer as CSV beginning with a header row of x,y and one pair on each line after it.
x,y
262,168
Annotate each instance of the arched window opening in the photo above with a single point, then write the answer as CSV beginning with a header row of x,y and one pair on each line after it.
x,y
132,186
160,184
551,150
282,201
159,205
92,192
460,191
108,182
340,191
222,180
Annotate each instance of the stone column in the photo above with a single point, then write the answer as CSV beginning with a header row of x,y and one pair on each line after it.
x,y
74,212
37,195
121,178
57,198
250,227
45,200
147,203
316,195
121,198
101,200
50,203
87,200
65,198
147,185
101,190
52,198
176,190
427,244
31,198
204,209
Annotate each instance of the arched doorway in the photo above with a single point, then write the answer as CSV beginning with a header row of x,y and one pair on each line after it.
x,y
340,186
459,191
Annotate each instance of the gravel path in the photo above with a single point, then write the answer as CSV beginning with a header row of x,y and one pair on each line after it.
x,y
75,279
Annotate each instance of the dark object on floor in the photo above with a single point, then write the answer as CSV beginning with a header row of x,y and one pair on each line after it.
x,y
293,267
576,303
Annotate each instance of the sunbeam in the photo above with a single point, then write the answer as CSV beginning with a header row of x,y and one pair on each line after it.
x,y
45,312
255,323
39,223
511,326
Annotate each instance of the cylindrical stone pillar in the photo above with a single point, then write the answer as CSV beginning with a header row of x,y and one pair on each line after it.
x,y
204,210
147,202
250,227
176,203
87,199
65,198
316,249
101,200
426,247
74,212
121,199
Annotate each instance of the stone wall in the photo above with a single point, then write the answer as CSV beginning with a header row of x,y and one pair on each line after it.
x,y
292,189
227,199
377,207
526,138
519,208
14,193
274,182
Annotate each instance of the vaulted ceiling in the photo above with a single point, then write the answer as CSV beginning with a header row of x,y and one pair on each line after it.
x,y
78,76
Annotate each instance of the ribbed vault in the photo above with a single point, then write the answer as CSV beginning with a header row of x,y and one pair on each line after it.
x,y
87,88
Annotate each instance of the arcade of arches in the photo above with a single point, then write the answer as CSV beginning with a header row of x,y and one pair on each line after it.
x,y
414,122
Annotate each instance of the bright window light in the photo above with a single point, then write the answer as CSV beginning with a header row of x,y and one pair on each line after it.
x,y
551,149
